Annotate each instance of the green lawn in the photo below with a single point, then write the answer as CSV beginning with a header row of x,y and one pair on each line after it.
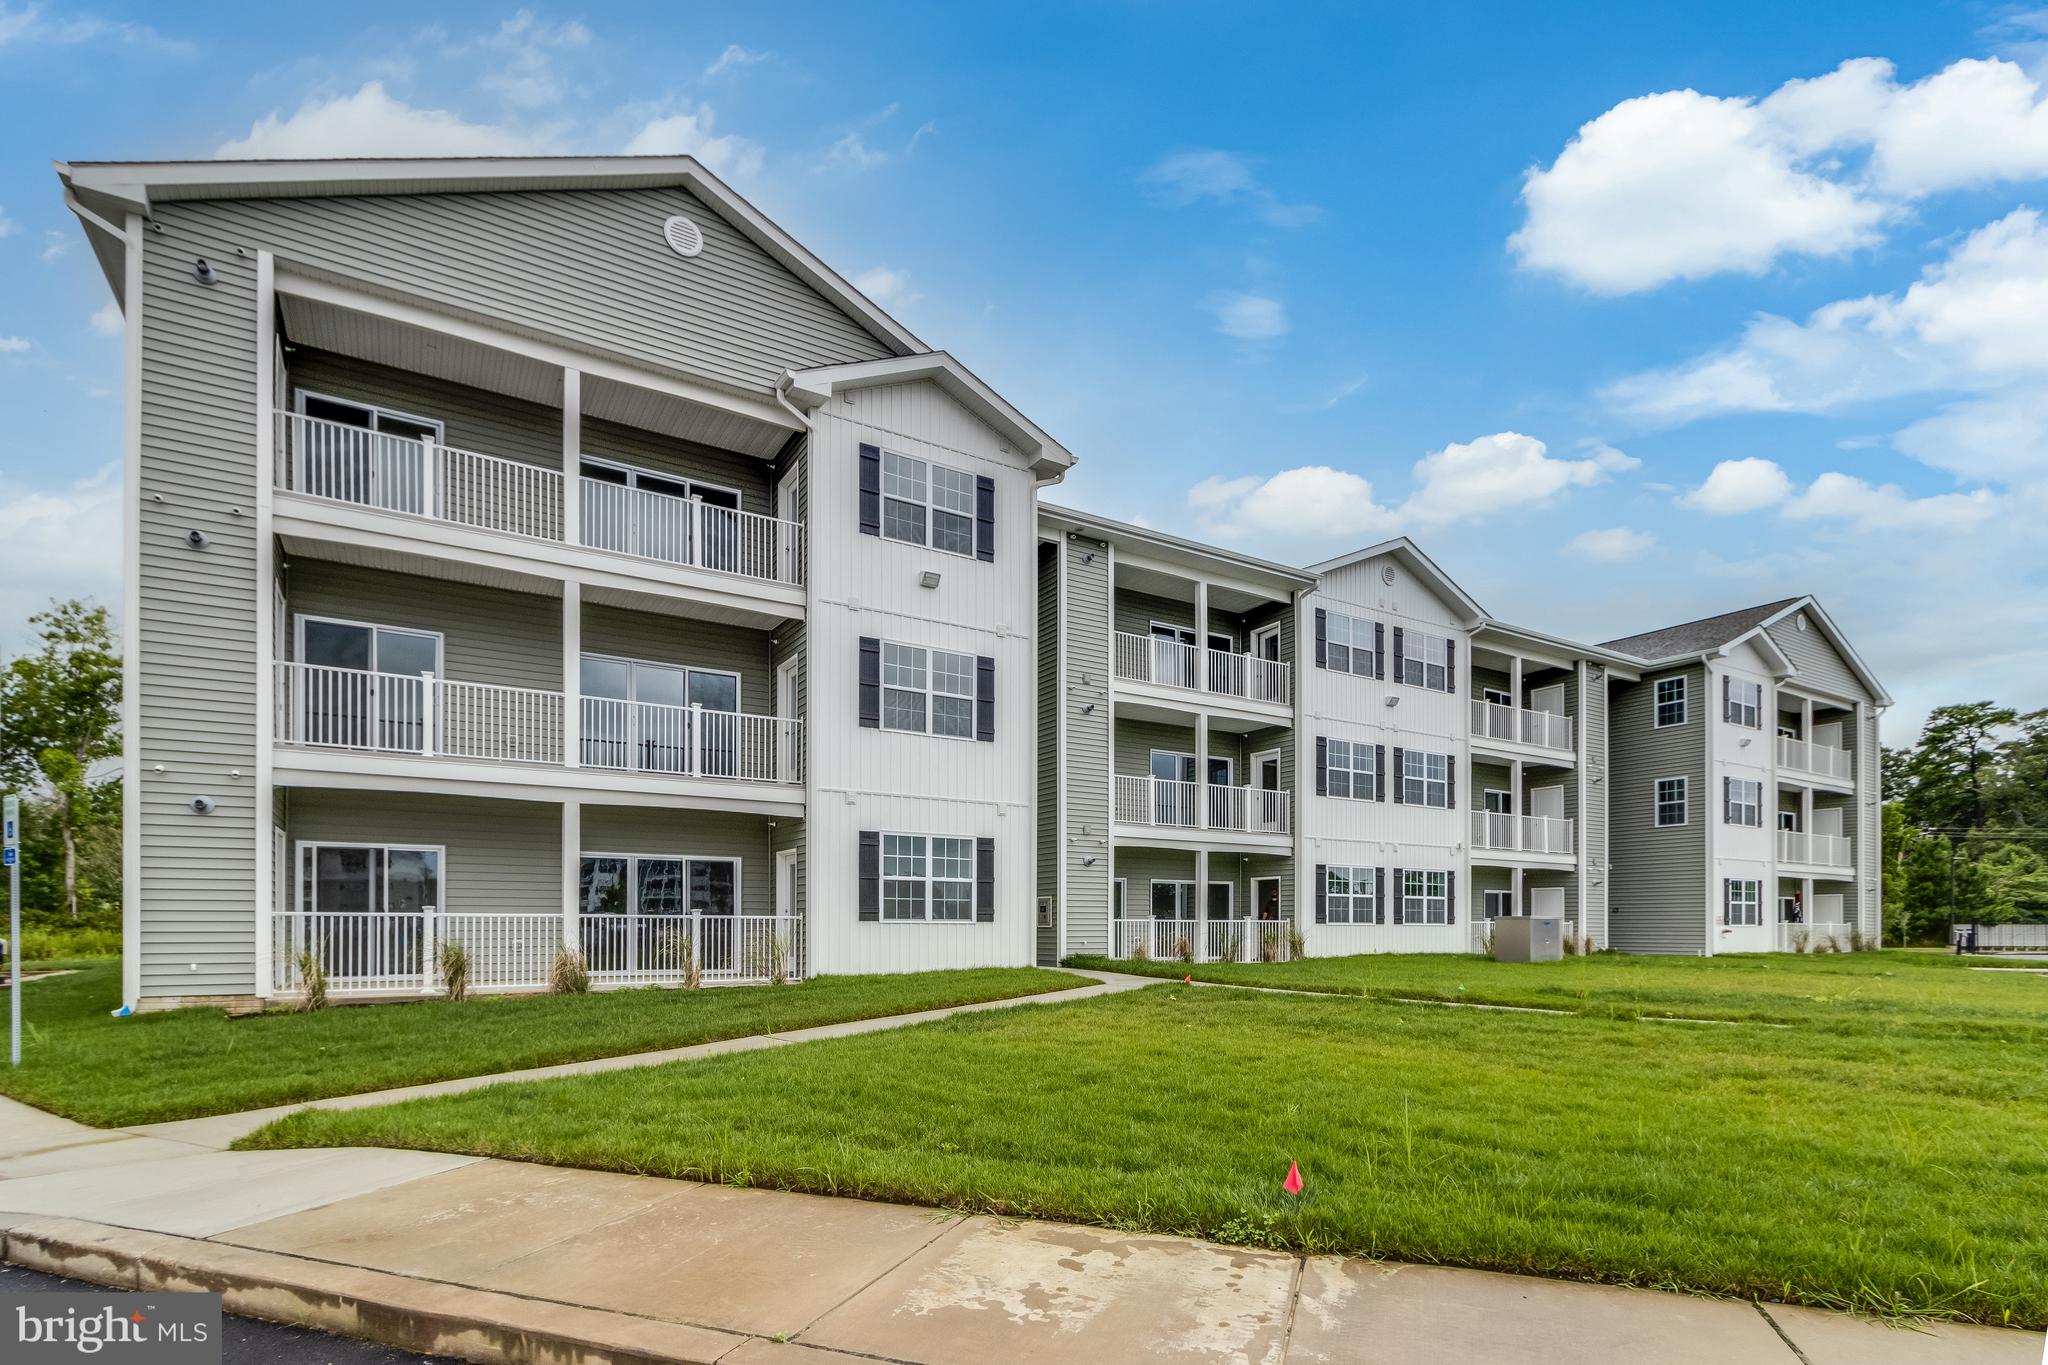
x,y
1874,991
1900,1169
80,1062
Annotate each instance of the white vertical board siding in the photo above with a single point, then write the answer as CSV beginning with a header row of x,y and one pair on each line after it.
x,y
1869,823
1345,706
1046,831
1741,852
883,780
196,635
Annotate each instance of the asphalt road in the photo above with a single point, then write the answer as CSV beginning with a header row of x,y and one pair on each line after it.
x,y
244,1341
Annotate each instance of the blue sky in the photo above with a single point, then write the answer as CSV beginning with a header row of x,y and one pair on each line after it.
x,y
1626,315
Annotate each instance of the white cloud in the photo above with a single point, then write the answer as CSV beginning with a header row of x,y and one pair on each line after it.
x,y
1614,545
727,155
55,246
1220,177
371,122
2001,437
8,227
32,24
890,288
1843,497
1466,481
61,544
1249,317
1736,486
526,77
852,153
13,345
1312,501
106,320
1683,185
733,58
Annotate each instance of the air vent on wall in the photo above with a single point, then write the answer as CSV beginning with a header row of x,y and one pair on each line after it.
x,y
683,236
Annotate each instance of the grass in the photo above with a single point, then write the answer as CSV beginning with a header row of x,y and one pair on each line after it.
x,y
1880,992
1899,1170
80,1062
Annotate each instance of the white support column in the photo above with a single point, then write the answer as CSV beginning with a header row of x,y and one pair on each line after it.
x,y
572,456
1201,934
572,874
1516,893
1201,678
1515,688
572,674
1202,768
1806,905
1517,801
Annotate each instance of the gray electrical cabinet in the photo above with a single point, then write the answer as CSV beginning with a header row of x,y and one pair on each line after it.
x,y
1528,938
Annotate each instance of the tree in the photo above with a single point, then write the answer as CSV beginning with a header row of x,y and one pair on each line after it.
x,y
2015,884
1951,768
60,710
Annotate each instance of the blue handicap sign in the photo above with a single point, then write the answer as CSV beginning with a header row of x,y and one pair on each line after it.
x,y
7,857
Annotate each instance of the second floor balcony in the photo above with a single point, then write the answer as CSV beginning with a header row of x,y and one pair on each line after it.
x,y
1493,831
1166,661
414,475
1810,758
1197,806
1521,725
1815,850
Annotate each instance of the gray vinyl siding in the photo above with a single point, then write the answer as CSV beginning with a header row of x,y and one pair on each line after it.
x,y
1659,877
689,643
689,834
196,632
489,635
789,834
1818,662
667,455
472,419
1136,611
1048,823
1868,900
587,268
1595,770
499,857
1572,779
1085,723
1136,739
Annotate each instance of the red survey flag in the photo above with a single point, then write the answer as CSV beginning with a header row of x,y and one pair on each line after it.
x,y
1292,1184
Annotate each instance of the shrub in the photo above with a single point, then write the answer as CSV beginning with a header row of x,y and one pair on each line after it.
x,y
1184,948
568,974
312,980
453,960
1294,940
1857,943
1800,939
53,944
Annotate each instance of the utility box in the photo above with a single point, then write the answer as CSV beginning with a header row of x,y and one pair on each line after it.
x,y
1528,938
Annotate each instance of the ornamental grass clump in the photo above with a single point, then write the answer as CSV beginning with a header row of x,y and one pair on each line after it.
x,y
454,962
568,974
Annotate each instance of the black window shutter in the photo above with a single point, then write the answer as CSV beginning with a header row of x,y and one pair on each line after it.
x,y
1450,898
1322,893
1451,781
984,881
1727,897
1400,792
870,683
1379,895
1451,667
1379,650
985,699
1399,882
1728,800
870,874
1322,766
1397,654
870,490
1379,772
1322,638
1727,702
984,518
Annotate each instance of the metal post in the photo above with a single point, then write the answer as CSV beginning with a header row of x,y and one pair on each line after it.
x,y
12,845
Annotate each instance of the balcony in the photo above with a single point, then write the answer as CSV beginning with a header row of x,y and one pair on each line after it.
x,y
1519,725
1160,804
1814,850
428,717
1544,834
1799,757
1171,663
1189,940
338,463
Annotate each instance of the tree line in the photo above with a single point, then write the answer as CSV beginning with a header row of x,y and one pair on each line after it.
x,y
1966,822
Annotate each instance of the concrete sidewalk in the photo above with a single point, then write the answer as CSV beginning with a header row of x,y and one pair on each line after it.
x,y
499,1261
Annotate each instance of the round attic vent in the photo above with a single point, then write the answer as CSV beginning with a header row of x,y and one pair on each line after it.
x,y
1387,574
1802,620
684,237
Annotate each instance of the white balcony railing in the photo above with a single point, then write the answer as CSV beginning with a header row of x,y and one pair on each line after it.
x,y
421,478
1813,850
1808,756
1163,804
1818,936
1521,833
1520,725
1190,940
390,952
353,708
639,521
1170,663
690,741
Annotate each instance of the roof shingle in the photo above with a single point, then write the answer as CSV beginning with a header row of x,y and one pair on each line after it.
x,y
1697,637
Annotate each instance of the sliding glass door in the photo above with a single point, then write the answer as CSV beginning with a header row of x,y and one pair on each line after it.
x,y
363,908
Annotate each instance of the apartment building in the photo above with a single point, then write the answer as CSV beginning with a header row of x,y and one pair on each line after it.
x,y
553,555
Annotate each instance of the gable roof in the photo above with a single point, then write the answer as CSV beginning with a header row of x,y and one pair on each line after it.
x,y
808,388
101,190
1418,563
1702,636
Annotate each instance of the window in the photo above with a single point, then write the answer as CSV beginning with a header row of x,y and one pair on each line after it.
x,y
1350,640
1745,803
1670,701
1745,703
927,691
1351,769
1745,903
1499,802
1498,904
1425,779
925,503
927,877
1496,696
1348,892
1426,661
1425,898
1788,819
1173,900
1671,802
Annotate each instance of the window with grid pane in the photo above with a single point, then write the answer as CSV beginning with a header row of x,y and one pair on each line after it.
x,y
1426,661
905,498
927,691
1745,803
927,504
928,877
1348,894
1349,767
1425,778
1670,701
1348,643
1425,898
1671,801
1745,703
1745,903
905,876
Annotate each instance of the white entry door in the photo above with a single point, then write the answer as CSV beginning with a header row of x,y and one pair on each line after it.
x,y
1547,900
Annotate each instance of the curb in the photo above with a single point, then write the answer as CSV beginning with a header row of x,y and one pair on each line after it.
x,y
425,1316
